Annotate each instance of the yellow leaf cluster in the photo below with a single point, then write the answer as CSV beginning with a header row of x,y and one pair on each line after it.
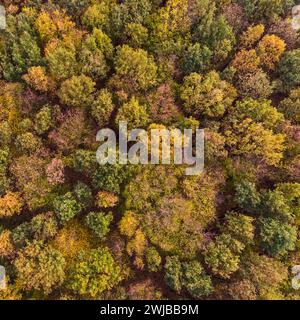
x,y
270,50
52,25
11,204
251,36
37,78
7,248
246,61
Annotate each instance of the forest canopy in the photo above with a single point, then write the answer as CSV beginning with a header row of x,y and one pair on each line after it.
x,y
71,228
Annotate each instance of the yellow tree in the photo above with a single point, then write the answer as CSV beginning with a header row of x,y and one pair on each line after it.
x,y
246,61
248,138
11,204
270,50
170,24
7,248
36,77
52,24
251,36
129,224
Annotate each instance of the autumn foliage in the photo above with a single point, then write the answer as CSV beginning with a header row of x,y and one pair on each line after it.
x,y
71,228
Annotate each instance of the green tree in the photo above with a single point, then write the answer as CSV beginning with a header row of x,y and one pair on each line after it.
x,y
27,143
99,40
84,161
42,227
195,280
44,119
277,238
111,178
189,275
93,63
135,69
20,50
247,196
73,7
261,111
66,207
102,107
4,180
169,27
93,272
290,106
135,11
289,69
61,59
274,204
221,39
99,222
206,95
223,256
196,59
136,35
266,9
215,32
291,194
97,15
83,194
174,273
133,113
239,226
21,234
94,55
39,268
153,259
77,91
